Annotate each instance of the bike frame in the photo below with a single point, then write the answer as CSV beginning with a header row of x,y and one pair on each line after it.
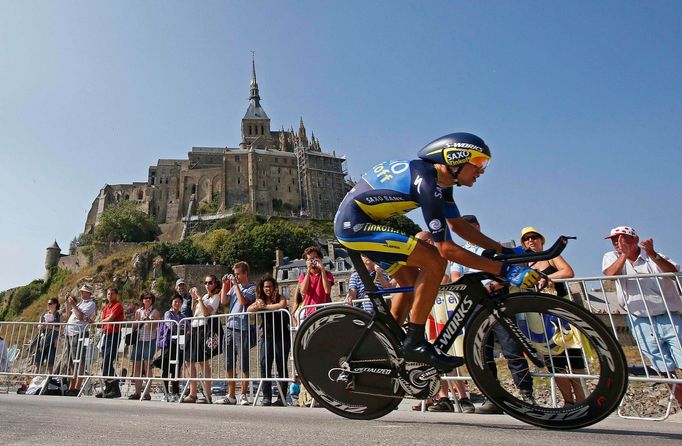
x,y
473,297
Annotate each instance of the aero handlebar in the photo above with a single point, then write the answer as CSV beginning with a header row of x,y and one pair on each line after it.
x,y
554,251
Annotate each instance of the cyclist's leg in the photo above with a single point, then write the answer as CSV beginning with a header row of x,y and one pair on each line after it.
x,y
424,270
395,251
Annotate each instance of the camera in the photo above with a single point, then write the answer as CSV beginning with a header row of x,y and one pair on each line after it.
x,y
314,262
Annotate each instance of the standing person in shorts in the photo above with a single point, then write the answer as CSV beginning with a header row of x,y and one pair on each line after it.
x,y
195,350
237,294
144,349
81,314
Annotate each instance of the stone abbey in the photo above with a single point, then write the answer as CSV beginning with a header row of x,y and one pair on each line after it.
x,y
270,173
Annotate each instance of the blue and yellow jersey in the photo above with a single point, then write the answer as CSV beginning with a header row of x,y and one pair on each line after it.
x,y
397,187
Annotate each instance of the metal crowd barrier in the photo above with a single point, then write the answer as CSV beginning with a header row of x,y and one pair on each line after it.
x,y
600,302
100,352
602,296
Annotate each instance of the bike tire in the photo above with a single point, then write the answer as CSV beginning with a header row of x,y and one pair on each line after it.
x,y
602,357
323,342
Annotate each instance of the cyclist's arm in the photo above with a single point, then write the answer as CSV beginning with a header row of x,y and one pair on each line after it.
x,y
451,251
469,233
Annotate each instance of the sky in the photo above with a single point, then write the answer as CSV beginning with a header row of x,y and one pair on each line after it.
x,y
580,103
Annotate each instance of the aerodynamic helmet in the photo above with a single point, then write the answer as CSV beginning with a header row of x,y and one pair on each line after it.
x,y
457,149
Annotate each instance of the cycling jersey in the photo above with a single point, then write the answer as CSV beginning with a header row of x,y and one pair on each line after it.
x,y
393,188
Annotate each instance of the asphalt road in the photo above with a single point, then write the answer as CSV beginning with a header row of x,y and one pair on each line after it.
x,y
56,420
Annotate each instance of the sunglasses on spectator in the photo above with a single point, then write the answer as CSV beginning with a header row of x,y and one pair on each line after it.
x,y
531,237
146,298
209,282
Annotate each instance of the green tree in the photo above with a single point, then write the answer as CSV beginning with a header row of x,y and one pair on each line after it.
x,y
402,223
123,222
209,207
182,253
80,240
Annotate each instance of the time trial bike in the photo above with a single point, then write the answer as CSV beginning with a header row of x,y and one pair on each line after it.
x,y
352,363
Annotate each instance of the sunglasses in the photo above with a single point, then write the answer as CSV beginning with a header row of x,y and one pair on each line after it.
x,y
146,298
531,237
52,303
209,282
480,161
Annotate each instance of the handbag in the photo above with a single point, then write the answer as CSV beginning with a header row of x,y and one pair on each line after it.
x,y
131,338
213,343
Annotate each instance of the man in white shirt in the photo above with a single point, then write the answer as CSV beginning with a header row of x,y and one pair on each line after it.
x,y
81,314
653,303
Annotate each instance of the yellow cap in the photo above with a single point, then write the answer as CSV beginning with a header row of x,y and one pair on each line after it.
x,y
528,230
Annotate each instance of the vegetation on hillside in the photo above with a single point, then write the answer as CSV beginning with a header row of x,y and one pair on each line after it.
x,y
123,222
242,236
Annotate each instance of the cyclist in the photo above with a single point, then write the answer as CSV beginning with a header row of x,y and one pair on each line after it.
x,y
397,187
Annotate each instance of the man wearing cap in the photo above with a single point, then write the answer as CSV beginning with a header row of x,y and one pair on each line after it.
x,y
653,303
77,331
181,288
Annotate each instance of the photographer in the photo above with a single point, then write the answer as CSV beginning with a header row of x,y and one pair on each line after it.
x,y
81,314
237,294
316,283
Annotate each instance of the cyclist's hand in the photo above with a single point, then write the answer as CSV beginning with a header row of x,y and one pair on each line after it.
x,y
520,275
515,250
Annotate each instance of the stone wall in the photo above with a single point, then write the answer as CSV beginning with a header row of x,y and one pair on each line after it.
x,y
92,255
194,274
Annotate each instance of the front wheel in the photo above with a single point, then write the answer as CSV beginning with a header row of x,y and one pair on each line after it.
x,y
572,342
322,345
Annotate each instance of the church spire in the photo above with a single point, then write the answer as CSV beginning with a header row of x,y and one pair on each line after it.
x,y
254,83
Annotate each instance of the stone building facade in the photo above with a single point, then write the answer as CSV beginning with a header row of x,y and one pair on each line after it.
x,y
271,172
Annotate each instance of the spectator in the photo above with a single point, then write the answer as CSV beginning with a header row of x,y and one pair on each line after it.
x,y
181,289
567,358
275,338
356,288
516,362
295,390
50,334
297,310
442,312
167,343
3,355
113,312
143,350
653,304
316,283
195,351
81,314
237,294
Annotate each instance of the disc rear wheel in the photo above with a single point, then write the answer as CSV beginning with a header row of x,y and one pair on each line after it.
x,y
322,345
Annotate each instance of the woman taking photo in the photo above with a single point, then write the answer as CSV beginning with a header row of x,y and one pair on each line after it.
x,y
275,338
196,351
144,349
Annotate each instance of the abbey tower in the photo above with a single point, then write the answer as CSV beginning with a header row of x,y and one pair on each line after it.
x,y
269,172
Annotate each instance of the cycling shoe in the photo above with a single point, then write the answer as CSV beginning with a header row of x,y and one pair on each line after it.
x,y
426,353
